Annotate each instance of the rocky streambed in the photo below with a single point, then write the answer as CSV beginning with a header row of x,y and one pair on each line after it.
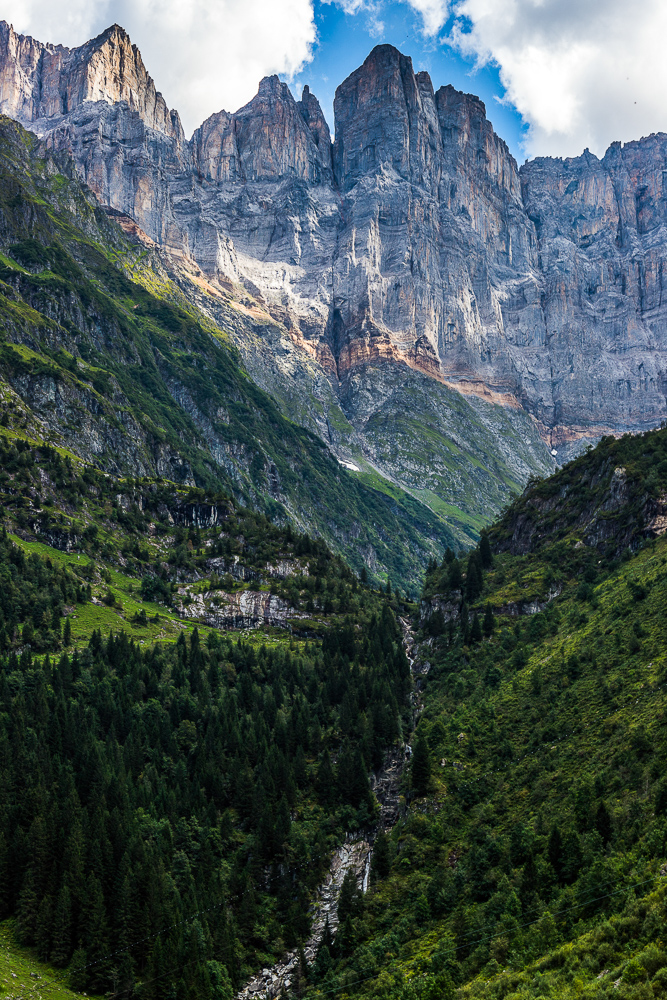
x,y
354,855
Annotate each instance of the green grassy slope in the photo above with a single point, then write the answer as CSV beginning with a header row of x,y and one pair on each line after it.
x,y
100,354
23,975
531,859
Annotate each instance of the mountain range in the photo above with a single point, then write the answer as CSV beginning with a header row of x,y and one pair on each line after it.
x,y
445,321
449,324
257,391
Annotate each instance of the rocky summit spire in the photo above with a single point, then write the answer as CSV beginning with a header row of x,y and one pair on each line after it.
x,y
41,81
272,137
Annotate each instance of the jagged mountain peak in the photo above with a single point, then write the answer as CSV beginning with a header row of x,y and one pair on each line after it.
x,y
271,137
41,81
413,243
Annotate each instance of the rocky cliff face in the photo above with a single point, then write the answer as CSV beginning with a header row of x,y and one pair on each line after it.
x,y
413,248
47,81
600,226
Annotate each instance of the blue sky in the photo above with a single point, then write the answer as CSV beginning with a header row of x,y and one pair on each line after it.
x,y
575,74
344,41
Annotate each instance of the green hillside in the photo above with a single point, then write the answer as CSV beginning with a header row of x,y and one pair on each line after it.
x,y
101,355
531,858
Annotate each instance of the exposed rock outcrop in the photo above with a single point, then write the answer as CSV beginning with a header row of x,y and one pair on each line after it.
x,y
414,244
49,81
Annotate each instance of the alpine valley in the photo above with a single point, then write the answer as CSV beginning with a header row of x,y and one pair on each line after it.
x,y
333,546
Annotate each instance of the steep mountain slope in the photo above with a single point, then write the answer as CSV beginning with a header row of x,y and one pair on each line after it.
x,y
102,355
529,855
413,243
252,205
530,859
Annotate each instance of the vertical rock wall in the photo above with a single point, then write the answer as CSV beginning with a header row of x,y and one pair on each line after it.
x,y
414,240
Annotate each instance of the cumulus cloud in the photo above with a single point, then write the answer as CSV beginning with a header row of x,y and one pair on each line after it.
x,y
433,12
204,55
582,74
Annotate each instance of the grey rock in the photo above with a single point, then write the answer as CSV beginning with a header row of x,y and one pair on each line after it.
x,y
409,270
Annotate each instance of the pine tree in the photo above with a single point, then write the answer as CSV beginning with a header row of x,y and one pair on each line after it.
x,y
67,633
455,575
381,860
326,782
603,823
474,581
485,551
572,856
61,943
476,629
465,625
43,928
350,898
220,987
93,927
489,621
282,823
421,766
78,973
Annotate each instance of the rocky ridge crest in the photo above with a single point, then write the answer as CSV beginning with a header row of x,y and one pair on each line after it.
x,y
412,249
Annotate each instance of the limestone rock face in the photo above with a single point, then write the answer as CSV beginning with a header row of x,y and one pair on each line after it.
x,y
413,247
272,137
603,242
46,81
434,226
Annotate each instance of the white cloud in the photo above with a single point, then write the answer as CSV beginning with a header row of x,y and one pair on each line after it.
x,y
204,55
582,73
433,12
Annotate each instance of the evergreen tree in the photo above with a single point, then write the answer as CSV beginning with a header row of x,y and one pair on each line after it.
x,y
489,622
572,856
421,766
220,984
455,575
485,553
476,629
326,782
465,624
61,943
78,973
350,898
381,859
474,581
603,823
282,823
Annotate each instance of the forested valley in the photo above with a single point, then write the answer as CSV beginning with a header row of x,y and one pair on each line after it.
x,y
173,789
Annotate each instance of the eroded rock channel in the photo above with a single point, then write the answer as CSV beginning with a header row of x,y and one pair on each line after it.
x,y
354,855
